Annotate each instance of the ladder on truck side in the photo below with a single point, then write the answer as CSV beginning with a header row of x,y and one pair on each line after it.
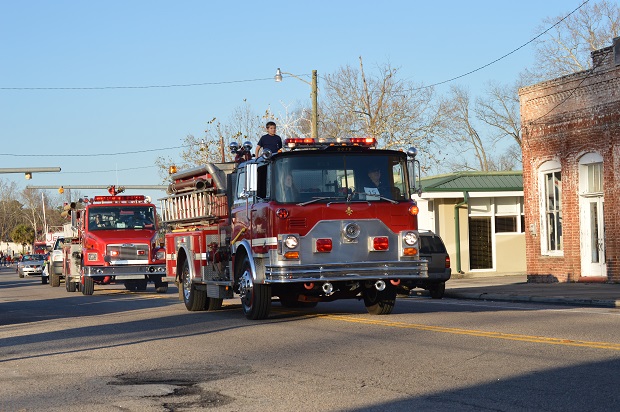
x,y
194,207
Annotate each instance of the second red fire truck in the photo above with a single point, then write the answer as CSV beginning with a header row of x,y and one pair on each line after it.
x,y
113,239
311,223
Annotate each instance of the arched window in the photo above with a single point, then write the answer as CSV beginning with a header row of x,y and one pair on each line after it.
x,y
550,189
591,174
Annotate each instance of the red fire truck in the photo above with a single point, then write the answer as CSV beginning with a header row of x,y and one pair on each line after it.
x,y
115,239
306,224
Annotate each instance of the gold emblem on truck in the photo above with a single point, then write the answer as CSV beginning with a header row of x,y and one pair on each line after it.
x,y
349,211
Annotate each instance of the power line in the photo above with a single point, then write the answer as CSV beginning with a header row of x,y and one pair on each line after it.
x,y
505,55
270,78
138,87
94,154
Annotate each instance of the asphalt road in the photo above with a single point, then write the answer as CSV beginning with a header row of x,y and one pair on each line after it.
x,y
122,351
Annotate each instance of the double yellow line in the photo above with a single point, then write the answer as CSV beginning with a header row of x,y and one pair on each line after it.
x,y
473,332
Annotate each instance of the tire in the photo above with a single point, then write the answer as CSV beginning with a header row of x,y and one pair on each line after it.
x,y
54,280
20,274
255,298
70,286
44,280
379,302
213,304
141,285
131,285
160,287
88,288
437,290
194,299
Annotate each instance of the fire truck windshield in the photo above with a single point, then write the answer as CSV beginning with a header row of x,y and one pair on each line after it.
x,y
365,176
121,217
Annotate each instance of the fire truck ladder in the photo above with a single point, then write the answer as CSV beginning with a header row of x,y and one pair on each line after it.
x,y
194,207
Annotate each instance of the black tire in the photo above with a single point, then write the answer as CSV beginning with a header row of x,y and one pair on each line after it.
x,y
70,286
379,302
255,297
131,285
142,285
54,280
44,280
437,290
214,304
194,299
160,287
88,288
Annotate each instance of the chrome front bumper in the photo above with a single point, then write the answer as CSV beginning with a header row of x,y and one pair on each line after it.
x,y
334,272
125,272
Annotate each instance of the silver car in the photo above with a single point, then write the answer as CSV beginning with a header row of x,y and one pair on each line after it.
x,y
30,265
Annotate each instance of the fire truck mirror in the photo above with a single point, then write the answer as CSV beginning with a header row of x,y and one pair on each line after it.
x,y
251,178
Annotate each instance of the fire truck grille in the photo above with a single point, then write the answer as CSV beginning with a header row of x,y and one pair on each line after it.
x,y
299,223
129,252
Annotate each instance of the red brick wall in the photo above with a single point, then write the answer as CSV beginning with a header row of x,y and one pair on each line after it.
x,y
562,120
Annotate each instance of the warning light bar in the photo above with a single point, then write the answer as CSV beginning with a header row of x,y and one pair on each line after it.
x,y
119,198
299,142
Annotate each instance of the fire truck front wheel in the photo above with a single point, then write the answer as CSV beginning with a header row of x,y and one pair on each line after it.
x,y
379,302
255,298
88,288
54,280
194,299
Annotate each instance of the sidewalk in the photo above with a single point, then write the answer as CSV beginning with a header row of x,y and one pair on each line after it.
x,y
514,288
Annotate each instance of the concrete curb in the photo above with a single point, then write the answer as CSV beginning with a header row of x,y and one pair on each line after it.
x,y
605,303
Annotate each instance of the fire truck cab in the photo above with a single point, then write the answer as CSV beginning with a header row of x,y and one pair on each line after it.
x,y
316,222
115,240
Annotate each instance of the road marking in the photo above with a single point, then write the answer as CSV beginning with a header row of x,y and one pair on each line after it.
x,y
479,333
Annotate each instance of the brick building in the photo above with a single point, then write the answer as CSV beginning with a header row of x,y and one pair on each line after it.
x,y
571,173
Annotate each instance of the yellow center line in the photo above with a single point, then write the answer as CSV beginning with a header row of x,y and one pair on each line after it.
x,y
473,332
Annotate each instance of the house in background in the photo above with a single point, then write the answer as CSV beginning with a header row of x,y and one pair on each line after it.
x,y
479,216
571,168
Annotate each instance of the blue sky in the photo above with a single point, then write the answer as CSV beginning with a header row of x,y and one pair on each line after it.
x,y
86,44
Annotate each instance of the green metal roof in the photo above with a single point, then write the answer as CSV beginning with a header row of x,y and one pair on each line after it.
x,y
474,182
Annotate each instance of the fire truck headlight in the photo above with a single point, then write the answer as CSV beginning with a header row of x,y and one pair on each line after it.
x,y
92,257
291,242
352,230
410,238
161,254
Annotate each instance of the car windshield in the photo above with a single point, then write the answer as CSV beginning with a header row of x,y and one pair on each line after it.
x,y
121,218
325,177
29,258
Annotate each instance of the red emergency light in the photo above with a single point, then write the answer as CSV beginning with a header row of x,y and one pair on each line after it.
x,y
119,198
363,141
299,141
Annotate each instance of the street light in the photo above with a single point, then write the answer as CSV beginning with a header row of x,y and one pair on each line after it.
x,y
315,117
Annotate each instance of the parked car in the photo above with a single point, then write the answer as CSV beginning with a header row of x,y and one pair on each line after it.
x,y
433,250
30,265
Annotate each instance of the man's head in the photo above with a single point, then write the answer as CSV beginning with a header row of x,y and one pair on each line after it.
x,y
374,173
271,128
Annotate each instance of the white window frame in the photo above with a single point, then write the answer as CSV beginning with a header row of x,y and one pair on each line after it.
x,y
551,166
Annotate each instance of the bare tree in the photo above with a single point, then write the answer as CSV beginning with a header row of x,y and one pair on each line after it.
x,y
499,108
10,209
243,125
462,134
567,47
33,209
397,112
